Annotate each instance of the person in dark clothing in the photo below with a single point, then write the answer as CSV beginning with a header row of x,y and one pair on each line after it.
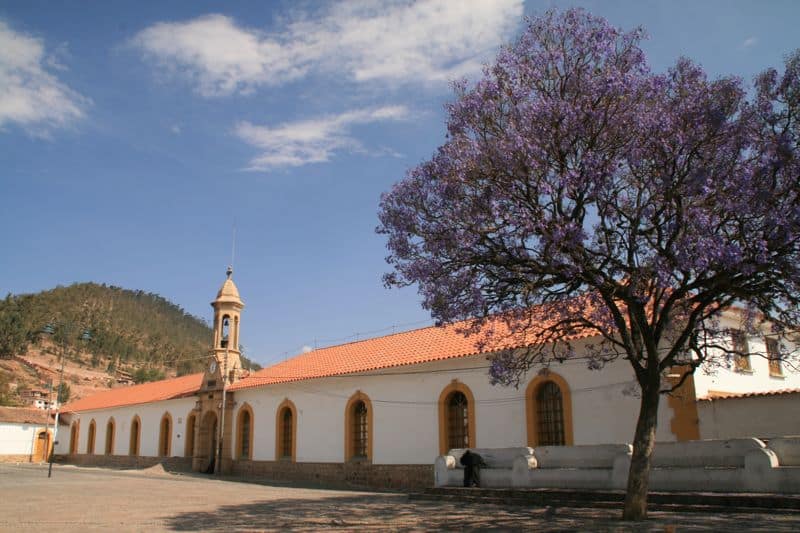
x,y
472,463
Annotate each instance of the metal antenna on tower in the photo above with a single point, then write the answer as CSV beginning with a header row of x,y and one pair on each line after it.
x,y
233,245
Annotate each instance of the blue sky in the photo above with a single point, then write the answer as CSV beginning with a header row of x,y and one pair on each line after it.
x,y
135,135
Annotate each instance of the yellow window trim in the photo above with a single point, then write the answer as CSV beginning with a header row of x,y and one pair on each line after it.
x,y
285,404
245,408
136,438
349,441
456,386
168,436
111,426
74,437
531,410
90,437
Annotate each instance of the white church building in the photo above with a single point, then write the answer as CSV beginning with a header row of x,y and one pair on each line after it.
x,y
378,412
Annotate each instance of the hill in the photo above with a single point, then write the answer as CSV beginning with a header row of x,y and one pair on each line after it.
x,y
107,333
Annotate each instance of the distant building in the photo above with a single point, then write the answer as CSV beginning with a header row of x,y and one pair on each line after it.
x,y
377,412
25,434
38,399
124,378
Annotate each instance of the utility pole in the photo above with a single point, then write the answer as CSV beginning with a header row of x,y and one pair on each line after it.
x,y
47,425
58,408
50,329
222,411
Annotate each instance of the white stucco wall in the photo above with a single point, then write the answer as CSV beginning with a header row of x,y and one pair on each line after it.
x,y
150,415
756,416
758,379
405,410
19,439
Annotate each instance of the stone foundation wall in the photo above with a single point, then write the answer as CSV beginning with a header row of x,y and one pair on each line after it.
x,y
174,464
339,475
348,475
24,458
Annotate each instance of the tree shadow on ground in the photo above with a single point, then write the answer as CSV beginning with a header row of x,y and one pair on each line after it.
x,y
394,512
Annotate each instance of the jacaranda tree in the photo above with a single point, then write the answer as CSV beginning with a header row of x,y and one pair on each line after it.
x,y
579,191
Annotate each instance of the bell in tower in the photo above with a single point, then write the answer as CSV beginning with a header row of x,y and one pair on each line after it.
x,y
227,310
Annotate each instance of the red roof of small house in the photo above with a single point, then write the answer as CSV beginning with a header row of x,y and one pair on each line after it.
x,y
25,415
153,391
722,395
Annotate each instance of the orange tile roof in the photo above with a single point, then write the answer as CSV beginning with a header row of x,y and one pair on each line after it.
x,y
722,395
25,415
153,391
434,343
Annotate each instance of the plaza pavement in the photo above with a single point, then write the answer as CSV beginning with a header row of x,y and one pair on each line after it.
x,y
93,499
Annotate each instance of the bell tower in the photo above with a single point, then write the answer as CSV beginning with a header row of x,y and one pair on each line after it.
x,y
227,310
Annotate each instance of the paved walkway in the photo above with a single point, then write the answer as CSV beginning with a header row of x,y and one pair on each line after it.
x,y
81,499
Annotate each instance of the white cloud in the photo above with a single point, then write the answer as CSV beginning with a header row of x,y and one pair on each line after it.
x,y
299,143
750,41
30,95
429,41
307,349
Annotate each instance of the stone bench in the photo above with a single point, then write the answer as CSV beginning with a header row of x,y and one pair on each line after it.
x,y
728,453
590,467
448,470
787,450
731,465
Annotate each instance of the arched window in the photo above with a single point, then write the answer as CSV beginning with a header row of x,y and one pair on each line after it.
x,y
165,436
74,432
244,424
110,426
226,329
358,428
286,431
136,431
456,418
190,423
90,438
549,409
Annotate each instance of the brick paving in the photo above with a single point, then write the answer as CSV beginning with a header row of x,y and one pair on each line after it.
x,y
92,499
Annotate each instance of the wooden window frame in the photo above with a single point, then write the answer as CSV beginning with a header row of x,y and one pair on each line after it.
x,y
135,440
774,357
91,435
161,437
245,408
456,386
349,421
285,404
532,409
739,343
109,449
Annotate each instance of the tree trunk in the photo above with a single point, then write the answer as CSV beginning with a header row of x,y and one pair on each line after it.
x,y
643,444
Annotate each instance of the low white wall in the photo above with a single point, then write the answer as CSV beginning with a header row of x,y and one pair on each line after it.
x,y
732,465
18,439
762,416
